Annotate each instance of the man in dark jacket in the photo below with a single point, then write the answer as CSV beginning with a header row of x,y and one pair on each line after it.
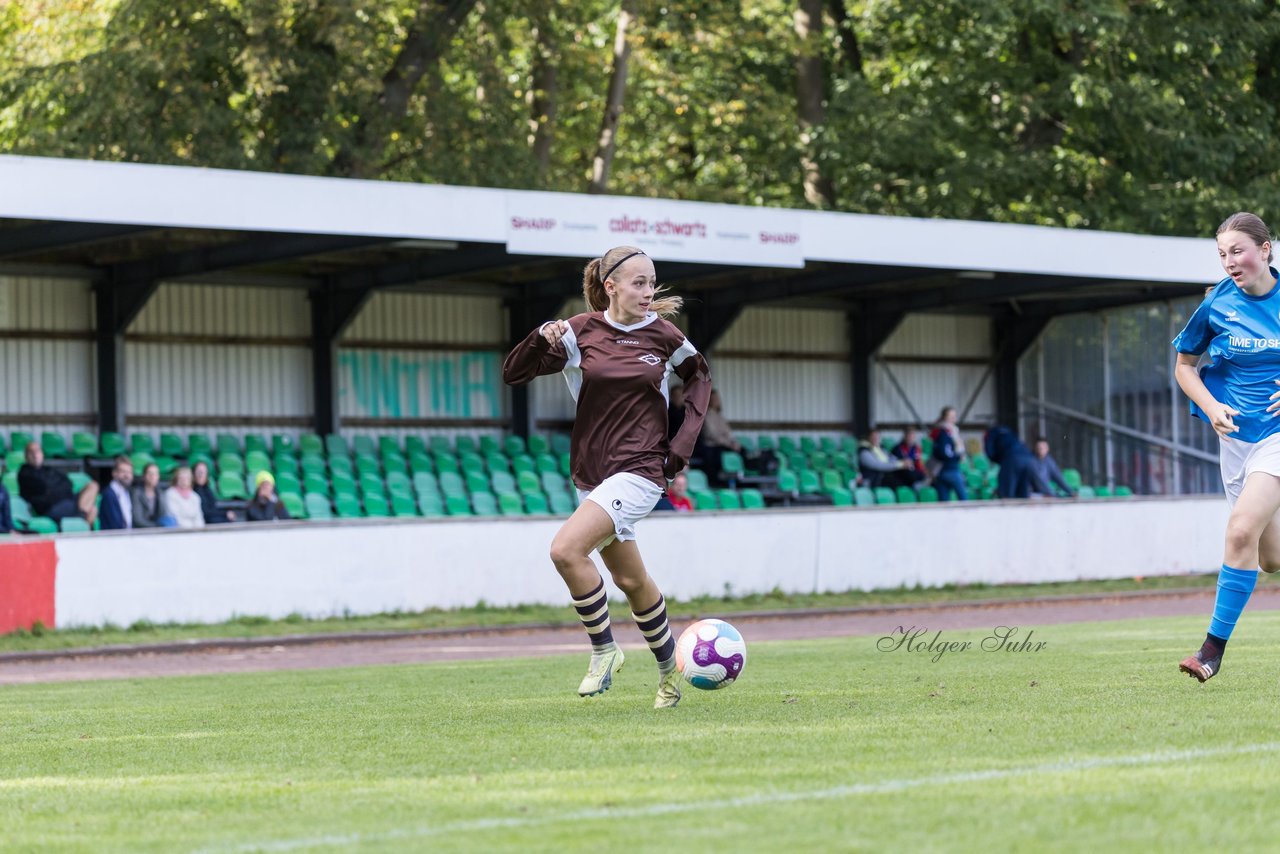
x,y
117,503
49,492
1018,477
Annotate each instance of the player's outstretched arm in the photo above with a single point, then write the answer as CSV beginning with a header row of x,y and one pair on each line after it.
x,y
541,352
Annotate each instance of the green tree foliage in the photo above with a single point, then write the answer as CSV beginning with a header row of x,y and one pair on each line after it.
x,y
1138,115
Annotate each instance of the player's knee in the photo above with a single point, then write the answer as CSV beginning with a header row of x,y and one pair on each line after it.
x,y
1240,536
1269,563
628,584
563,553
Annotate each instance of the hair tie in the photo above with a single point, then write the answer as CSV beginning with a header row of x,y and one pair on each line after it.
x,y
619,264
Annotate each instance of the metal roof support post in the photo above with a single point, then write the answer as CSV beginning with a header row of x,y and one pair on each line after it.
x,y
868,331
118,298
1014,334
332,311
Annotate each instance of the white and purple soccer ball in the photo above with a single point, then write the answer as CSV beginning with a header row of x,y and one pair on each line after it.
x,y
711,654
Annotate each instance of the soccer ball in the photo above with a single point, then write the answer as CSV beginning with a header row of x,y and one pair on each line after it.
x,y
711,654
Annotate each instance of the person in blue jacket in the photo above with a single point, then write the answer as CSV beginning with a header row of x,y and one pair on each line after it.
x,y
1228,364
944,459
1018,477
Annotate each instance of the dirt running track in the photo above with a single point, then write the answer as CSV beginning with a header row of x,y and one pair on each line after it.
x,y
354,651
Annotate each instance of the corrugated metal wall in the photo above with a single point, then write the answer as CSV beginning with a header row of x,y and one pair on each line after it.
x,y
396,365
209,356
46,382
917,355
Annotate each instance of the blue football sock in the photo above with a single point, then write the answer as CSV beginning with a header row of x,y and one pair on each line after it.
x,y
1235,586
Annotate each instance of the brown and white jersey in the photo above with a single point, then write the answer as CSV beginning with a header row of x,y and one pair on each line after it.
x,y
619,376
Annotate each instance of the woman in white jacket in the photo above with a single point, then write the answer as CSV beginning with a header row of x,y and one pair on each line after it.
x,y
182,502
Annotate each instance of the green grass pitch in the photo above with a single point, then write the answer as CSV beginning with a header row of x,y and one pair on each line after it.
x,y
1095,743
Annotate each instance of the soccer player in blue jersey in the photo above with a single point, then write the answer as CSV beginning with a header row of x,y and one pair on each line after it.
x,y
1238,327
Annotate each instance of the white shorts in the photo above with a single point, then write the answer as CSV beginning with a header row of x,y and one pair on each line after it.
x,y
627,498
1241,459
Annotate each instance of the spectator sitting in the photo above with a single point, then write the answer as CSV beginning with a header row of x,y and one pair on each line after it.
x,y
117,503
1047,467
717,437
6,511
49,492
880,469
1018,477
678,494
909,449
265,505
148,511
944,461
181,503
208,501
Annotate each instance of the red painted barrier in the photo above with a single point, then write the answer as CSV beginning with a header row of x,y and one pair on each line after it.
x,y
27,572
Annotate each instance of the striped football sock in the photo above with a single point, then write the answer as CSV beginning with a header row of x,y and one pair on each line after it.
x,y
593,610
653,625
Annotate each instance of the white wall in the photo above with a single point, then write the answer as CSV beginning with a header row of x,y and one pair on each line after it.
x,y
365,567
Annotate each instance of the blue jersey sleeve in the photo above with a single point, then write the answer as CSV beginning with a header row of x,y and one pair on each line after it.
x,y
1195,336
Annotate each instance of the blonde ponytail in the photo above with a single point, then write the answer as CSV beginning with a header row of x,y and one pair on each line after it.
x,y
597,269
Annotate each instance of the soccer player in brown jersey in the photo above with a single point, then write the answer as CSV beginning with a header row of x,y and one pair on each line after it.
x,y
617,358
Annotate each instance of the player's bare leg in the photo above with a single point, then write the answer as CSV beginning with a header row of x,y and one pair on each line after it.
x,y
649,610
571,549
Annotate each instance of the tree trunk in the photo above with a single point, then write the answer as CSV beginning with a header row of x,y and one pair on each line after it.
x,y
434,24
850,50
542,97
811,102
606,143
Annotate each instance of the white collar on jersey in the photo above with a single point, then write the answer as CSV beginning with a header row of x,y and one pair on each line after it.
x,y
650,317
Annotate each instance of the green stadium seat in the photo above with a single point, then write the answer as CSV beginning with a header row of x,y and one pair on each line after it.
x,y
79,480
342,466
75,525
546,462
348,506
228,463
84,444
314,465
553,481
1102,491
979,462
288,482
446,463
19,439
168,465
227,443
697,479
54,445
523,462
1085,493
789,482
1123,492
256,442
112,444
10,481
231,485
140,460
293,502
841,497
310,443
514,446
748,443
376,506
885,495
566,464
928,495
256,461
468,462
402,505
42,525
420,462
752,499
425,483
1072,477
731,465
819,460
171,445
538,445
336,446
703,499
808,445
414,445
451,484
484,504
398,482
497,461
833,480
316,483
560,444
490,444
728,499
561,503
318,506
364,445
465,443
503,482
766,442
440,445
282,443
372,484
906,495
510,504
476,481
389,446
366,464
828,445
431,504
457,505
787,445
528,481
809,482
199,443
285,462
18,506
536,503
